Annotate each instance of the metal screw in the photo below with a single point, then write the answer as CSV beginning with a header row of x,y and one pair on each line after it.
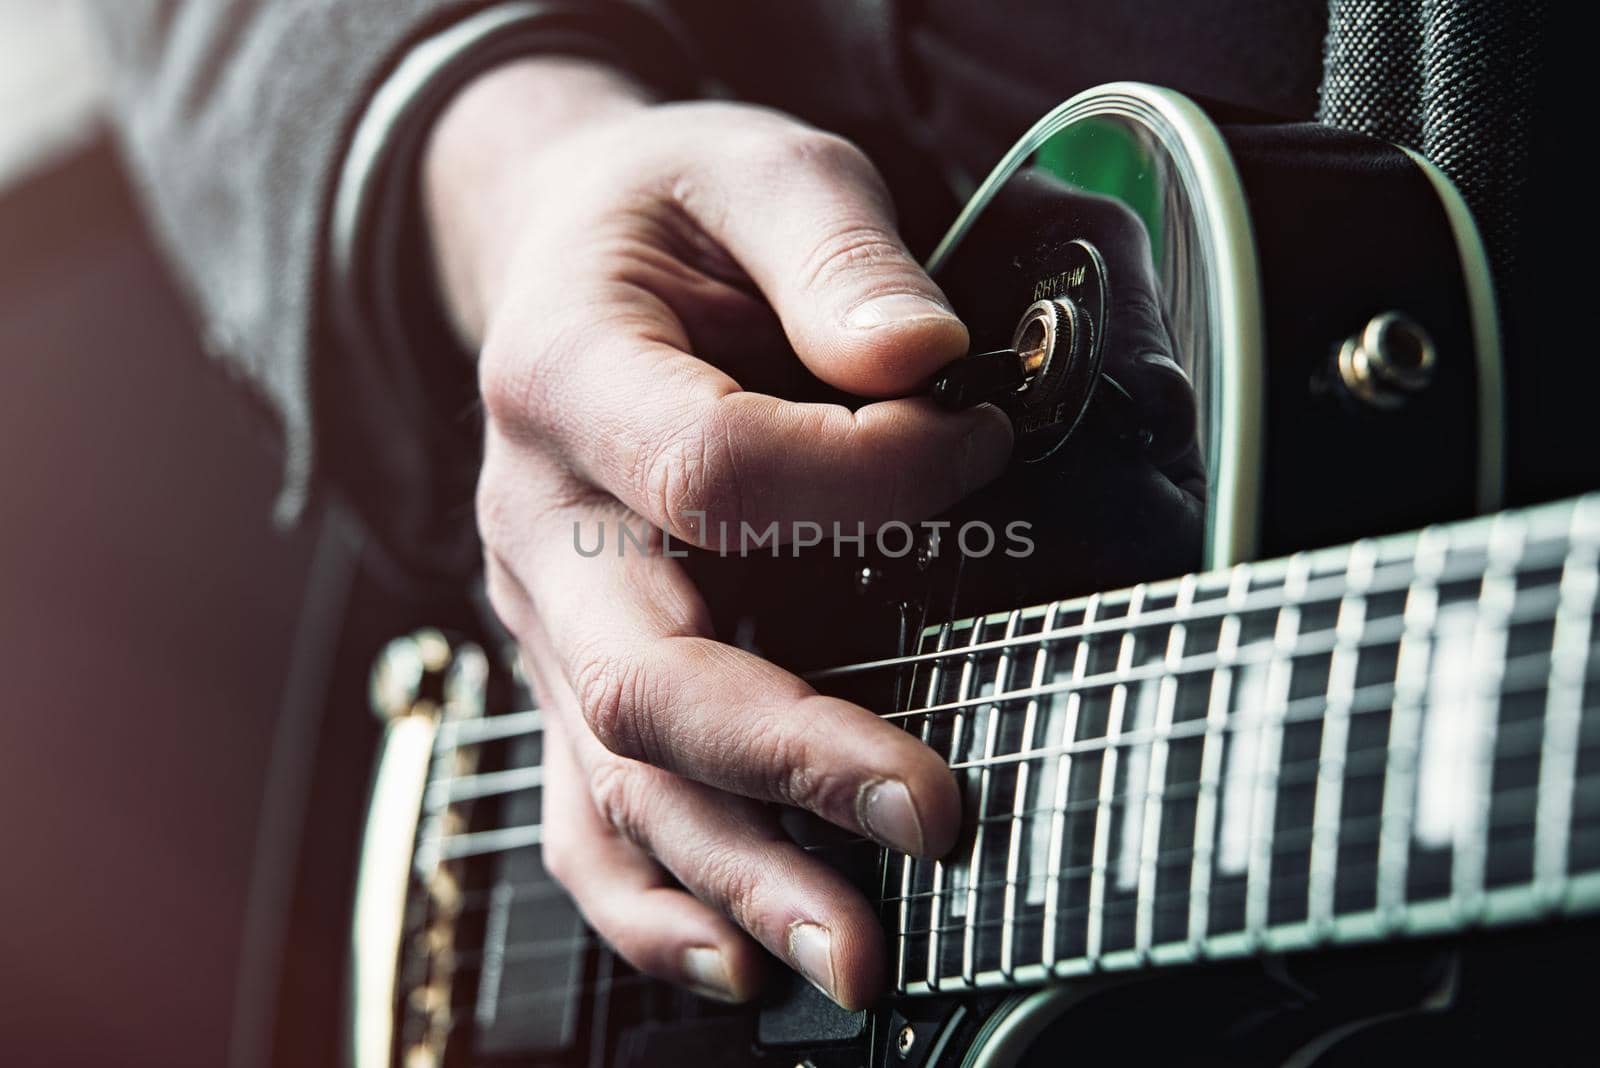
x,y
903,1041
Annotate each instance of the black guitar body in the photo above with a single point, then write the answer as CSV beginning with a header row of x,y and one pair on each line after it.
x,y
1269,339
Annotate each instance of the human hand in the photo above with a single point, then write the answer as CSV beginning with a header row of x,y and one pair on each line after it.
x,y
626,270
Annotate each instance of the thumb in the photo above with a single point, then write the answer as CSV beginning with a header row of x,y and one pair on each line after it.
x,y
807,216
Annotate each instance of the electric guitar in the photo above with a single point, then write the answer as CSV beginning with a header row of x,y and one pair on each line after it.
x,y
1251,774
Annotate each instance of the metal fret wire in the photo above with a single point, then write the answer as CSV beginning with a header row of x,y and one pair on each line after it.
x,y
940,869
906,862
1041,660
1155,783
1058,816
1205,819
1331,761
1405,725
1094,934
975,866
1564,703
1270,748
1497,597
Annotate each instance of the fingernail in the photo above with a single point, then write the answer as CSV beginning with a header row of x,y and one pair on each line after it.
x,y
896,308
707,972
889,815
811,952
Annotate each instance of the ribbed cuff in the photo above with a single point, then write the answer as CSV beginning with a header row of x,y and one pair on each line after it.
x,y
393,396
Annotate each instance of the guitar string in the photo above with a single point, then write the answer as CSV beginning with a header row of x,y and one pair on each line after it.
x,y
1521,675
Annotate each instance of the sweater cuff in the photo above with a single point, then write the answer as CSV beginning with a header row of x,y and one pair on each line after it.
x,y
374,195
388,404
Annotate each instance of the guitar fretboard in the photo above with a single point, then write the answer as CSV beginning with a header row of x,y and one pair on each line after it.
x,y
1399,736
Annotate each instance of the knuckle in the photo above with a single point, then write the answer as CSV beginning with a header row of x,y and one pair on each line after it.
x,y
786,760
508,385
521,371
805,149
849,251
617,791
804,780
730,881
606,688
622,698
693,471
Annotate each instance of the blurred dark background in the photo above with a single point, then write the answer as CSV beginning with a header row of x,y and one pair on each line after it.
x,y
146,604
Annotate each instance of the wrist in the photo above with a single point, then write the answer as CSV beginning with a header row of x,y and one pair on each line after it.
x,y
478,158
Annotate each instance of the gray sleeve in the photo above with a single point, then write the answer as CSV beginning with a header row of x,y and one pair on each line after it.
x,y
237,118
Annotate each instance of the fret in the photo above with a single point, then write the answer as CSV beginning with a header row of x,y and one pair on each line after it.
x,y
1563,718
908,863
1335,738
1270,749
1496,601
1058,808
1205,820
1405,722
1021,822
1150,833
1095,930
975,867
941,871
